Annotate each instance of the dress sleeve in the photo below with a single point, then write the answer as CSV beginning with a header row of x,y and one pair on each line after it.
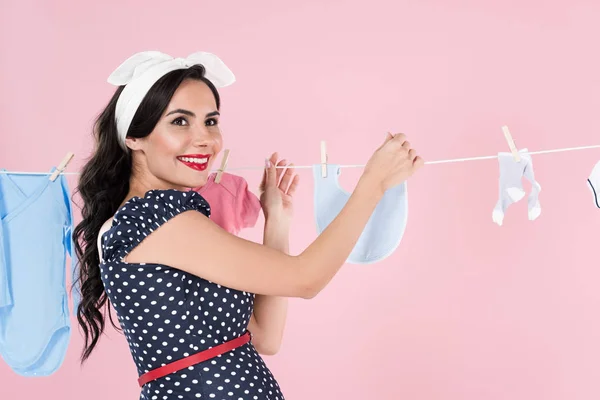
x,y
140,216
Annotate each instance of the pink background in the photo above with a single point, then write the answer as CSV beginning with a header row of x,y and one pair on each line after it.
x,y
464,309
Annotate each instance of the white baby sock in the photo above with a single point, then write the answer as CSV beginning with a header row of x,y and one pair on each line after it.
x,y
534,209
594,183
511,185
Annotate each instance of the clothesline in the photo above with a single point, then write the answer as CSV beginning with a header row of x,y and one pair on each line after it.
x,y
355,165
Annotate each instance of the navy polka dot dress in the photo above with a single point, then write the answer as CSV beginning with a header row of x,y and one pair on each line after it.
x,y
167,314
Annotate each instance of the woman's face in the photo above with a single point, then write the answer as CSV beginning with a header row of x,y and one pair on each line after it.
x,y
180,151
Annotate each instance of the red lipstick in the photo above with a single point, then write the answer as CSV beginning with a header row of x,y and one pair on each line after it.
x,y
198,162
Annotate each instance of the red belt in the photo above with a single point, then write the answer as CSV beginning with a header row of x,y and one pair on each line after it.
x,y
194,359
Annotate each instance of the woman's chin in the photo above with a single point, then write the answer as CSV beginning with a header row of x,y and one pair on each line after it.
x,y
197,181
191,179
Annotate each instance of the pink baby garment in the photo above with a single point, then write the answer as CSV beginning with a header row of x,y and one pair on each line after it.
x,y
232,206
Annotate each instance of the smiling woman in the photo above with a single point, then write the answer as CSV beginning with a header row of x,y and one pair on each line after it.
x,y
184,140
197,304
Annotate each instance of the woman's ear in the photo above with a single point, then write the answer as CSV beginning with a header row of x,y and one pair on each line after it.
x,y
133,143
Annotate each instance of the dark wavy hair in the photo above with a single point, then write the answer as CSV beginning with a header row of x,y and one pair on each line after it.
x,y
103,185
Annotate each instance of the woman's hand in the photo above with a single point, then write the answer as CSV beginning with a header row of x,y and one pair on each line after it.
x,y
277,190
392,163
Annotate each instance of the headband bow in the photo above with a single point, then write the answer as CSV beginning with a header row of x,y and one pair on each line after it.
x,y
141,71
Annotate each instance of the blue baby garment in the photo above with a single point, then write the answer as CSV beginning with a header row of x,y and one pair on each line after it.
x,y
5,297
36,219
5,291
385,228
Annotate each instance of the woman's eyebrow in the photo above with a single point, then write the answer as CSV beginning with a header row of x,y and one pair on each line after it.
x,y
181,111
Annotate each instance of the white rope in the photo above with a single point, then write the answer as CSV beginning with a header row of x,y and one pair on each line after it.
x,y
352,165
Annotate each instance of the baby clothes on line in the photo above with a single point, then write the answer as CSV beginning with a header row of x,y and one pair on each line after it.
x,y
594,183
36,219
511,186
385,228
234,207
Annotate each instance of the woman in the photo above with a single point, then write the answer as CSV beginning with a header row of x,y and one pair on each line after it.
x,y
182,287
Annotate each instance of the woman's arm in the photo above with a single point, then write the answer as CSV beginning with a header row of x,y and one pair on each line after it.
x,y
270,312
225,259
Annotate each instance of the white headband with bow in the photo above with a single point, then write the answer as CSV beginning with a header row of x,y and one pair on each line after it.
x,y
139,72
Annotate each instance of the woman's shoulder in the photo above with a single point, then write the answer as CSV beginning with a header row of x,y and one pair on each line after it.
x,y
141,215
160,203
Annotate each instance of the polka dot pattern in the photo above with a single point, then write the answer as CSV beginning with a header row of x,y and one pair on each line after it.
x,y
167,314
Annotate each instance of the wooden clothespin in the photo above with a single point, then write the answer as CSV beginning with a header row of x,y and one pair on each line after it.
x,y
511,144
223,166
323,159
61,167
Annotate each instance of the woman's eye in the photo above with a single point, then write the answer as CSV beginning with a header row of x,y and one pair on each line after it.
x,y
211,122
180,121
